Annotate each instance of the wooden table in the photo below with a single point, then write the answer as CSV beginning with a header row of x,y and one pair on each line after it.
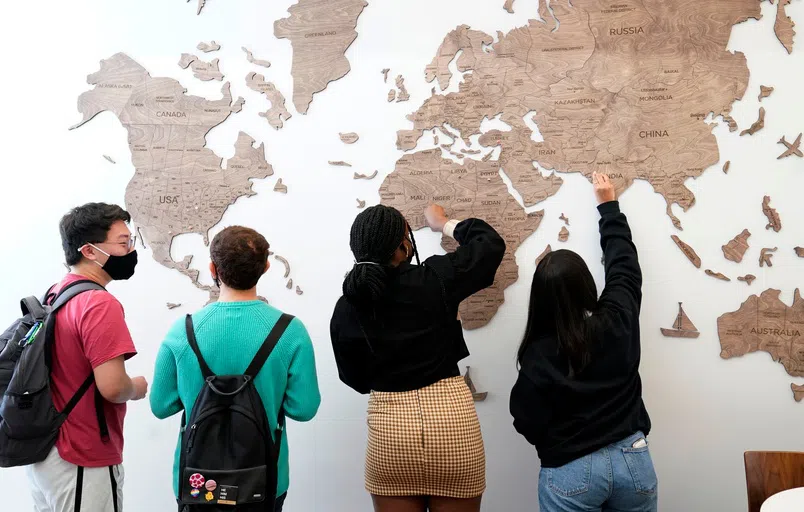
x,y
791,500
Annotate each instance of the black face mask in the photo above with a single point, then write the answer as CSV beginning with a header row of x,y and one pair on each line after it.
x,y
120,268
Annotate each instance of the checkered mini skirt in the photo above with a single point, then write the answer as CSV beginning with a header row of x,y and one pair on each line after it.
x,y
425,442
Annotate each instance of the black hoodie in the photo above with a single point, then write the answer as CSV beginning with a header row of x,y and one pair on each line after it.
x,y
565,417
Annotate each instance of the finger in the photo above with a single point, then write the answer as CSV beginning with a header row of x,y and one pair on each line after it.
x,y
595,178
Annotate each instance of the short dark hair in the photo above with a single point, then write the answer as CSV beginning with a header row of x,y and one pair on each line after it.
x,y
88,224
239,255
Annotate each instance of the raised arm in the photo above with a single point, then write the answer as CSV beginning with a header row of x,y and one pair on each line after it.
x,y
474,264
623,275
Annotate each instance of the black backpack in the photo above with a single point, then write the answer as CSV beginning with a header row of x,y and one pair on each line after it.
x,y
228,458
29,422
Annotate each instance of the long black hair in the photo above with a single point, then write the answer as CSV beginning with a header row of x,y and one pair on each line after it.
x,y
376,234
563,299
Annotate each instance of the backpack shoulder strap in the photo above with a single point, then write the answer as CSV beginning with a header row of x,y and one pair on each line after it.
x,y
268,345
188,326
71,290
59,300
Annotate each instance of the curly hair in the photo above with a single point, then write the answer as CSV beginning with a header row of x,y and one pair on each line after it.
x,y
239,255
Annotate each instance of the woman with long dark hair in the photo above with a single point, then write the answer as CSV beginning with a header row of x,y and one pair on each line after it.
x,y
396,334
578,398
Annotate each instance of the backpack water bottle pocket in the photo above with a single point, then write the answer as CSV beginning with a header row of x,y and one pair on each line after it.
x,y
28,415
224,487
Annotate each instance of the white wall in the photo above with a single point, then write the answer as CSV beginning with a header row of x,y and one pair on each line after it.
x,y
706,411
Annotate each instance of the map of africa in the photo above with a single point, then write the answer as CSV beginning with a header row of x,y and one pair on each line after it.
x,y
628,88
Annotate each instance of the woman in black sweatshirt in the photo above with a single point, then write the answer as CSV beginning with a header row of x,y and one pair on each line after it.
x,y
578,398
396,334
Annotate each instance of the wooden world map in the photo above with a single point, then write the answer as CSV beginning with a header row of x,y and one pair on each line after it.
x,y
632,88
621,87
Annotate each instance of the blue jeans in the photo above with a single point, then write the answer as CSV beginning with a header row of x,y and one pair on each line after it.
x,y
617,478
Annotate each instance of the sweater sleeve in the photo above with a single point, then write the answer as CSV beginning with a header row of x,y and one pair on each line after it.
x,y
164,396
352,355
302,396
623,290
474,264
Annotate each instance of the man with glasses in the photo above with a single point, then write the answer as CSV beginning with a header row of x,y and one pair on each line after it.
x,y
84,471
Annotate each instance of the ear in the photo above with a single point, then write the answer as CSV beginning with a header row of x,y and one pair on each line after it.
x,y
212,270
267,266
89,252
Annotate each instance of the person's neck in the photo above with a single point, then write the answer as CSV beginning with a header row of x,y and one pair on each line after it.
x,y
91,271
232,295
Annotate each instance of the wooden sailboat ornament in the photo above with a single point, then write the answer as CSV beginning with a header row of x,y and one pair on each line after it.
x,y
682,327
478,397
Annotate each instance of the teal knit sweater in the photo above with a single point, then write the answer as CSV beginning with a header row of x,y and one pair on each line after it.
x,y
229,335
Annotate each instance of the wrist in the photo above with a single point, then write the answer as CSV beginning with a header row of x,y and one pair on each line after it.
x,y
449,227
442,223
612,206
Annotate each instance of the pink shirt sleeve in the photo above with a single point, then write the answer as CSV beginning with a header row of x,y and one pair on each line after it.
x,y
103,330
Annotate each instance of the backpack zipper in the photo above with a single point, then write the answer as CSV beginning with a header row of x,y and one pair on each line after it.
x,y
192,436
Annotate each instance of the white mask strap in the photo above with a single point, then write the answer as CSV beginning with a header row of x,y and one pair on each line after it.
x,y
97,249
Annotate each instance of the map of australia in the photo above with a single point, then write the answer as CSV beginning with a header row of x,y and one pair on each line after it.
x,y
179,185
620,87
765,323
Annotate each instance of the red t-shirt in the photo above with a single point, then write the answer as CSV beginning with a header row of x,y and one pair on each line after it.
x,y
90,330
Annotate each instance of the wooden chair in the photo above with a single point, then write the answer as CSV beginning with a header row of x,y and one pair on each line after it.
x,y
767,473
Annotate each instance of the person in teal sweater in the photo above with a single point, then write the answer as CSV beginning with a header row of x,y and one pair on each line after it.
x,y
229,333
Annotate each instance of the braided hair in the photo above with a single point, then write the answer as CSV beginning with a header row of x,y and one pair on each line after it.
x,y
376,234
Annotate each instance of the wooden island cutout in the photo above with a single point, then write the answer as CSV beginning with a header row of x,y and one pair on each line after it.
x,y
798,392
766,256
735,249
211,46
716,275
774,221
688,251
758,125
349,138
764,92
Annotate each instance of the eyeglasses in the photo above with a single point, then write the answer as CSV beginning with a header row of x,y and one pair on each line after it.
x,y
128,244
